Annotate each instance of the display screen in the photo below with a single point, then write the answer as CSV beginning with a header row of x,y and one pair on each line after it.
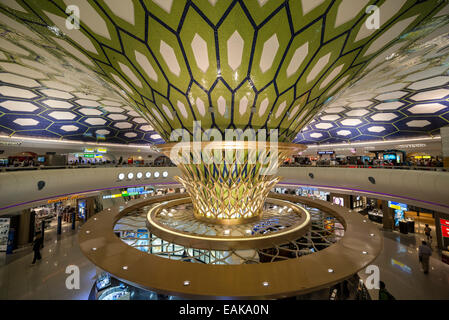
x,y
444,228
389,157
325,152
445,231
4,233
398,216
89,150
41,159
397,205
338,201
82,209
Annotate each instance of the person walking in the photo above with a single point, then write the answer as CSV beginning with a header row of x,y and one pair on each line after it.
x,y
427,231
424,256
383,292
37,245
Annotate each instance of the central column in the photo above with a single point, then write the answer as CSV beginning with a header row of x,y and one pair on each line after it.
x,y
228,181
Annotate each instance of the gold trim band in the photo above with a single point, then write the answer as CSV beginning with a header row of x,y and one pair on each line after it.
x,y
227,242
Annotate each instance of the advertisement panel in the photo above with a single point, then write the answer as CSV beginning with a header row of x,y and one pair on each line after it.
x,y
4,233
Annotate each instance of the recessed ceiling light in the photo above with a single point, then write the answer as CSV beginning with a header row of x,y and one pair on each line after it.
x,y
94,249
121,176
187,283
330,270
265,284
372,234
87,231
364,252
125,267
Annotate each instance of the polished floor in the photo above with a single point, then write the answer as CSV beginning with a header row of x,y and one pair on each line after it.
x,y
398,264
47,278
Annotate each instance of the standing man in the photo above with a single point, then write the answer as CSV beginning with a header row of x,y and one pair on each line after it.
x,y
37,247
427,231
424,256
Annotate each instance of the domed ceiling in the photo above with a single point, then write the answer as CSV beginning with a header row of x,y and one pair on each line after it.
x,y
136,70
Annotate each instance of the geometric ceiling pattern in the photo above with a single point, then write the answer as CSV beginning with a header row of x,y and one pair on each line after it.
x,y
229,64
404,92
38,101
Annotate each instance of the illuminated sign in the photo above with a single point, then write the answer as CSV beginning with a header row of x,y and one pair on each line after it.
x,y
389,157
102,150
417,145
128,192
325,152
87,155
63,199
89,150
397,205
98,156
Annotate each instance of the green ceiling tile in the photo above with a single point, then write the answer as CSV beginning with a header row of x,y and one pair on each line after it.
x,y
168,11
182,107
322,60
129,81
213,10
264,103
406,22
280,108
199,43
300,52
167,50
330,77
270,47
221,99
142,59
243,102
261,9
360,35
295,111
126,15
303,15
166,109
158,116
200,104
343,15
235,39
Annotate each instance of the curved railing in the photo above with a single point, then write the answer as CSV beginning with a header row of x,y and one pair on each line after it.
x,y
422,188
367,166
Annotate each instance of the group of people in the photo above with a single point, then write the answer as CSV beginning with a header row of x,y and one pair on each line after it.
x,y
305,161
